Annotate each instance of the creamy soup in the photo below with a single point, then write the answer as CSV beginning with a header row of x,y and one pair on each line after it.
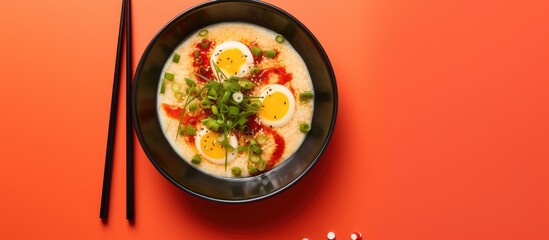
x,y
235,100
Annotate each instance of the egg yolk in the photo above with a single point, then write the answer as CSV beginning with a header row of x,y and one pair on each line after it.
x,y
231,60
274,107
210,145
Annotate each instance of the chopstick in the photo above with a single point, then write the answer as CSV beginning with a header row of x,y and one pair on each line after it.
x,y
130,193
107,175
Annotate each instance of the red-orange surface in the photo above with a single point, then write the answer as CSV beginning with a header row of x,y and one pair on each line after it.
x,y
442,131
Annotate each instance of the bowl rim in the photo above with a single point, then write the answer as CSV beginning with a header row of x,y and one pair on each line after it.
x,y
323,147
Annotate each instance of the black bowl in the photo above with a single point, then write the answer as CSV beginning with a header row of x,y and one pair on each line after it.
x,y
177,170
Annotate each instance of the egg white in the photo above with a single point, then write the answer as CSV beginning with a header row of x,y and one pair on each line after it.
x,y
245,68
230,155
270,89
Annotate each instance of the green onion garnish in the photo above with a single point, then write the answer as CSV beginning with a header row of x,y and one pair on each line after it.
x,y
190,130
176,87
252,169
246,84
255,70
205,43
262,165
270,53
261,139
306,96
192,106
169,76
242,148
279,38
181,130
256,149
205,104
163,86
233,111
256,51
203,33
176,58
190,82
179,95
196,159
254,158
304,127
236,171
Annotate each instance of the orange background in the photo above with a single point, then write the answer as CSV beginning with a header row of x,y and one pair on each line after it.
x,y
442,131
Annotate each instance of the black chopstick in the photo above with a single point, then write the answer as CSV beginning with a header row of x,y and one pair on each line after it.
x,y
107,175
130,193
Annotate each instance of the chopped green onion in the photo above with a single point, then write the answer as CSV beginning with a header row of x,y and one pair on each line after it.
x,y
238,96
270,53
234,79
176,58
196,159
242,121
256,51
255,70
205,104
261,139
256,149
306,96
176,87
169,76
203,33
179,95
279,38
190,130
215,110
163,86
190,82
205,43
255,105
231,86
242,148
254,158
225,97
233,110
252,169
192,106
181,130
262,165
192,90
236,171
246,84
196,53
212,93
304,127
244,128
203,94
223,109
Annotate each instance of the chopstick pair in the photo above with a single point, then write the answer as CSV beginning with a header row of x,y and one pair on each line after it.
x,y
125,24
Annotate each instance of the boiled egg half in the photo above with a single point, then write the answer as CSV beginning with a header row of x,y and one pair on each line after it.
x,y
233,58
277,105
208,145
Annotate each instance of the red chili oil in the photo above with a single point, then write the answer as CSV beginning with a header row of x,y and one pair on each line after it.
x,y
279,149
201,61
187,119
262,77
